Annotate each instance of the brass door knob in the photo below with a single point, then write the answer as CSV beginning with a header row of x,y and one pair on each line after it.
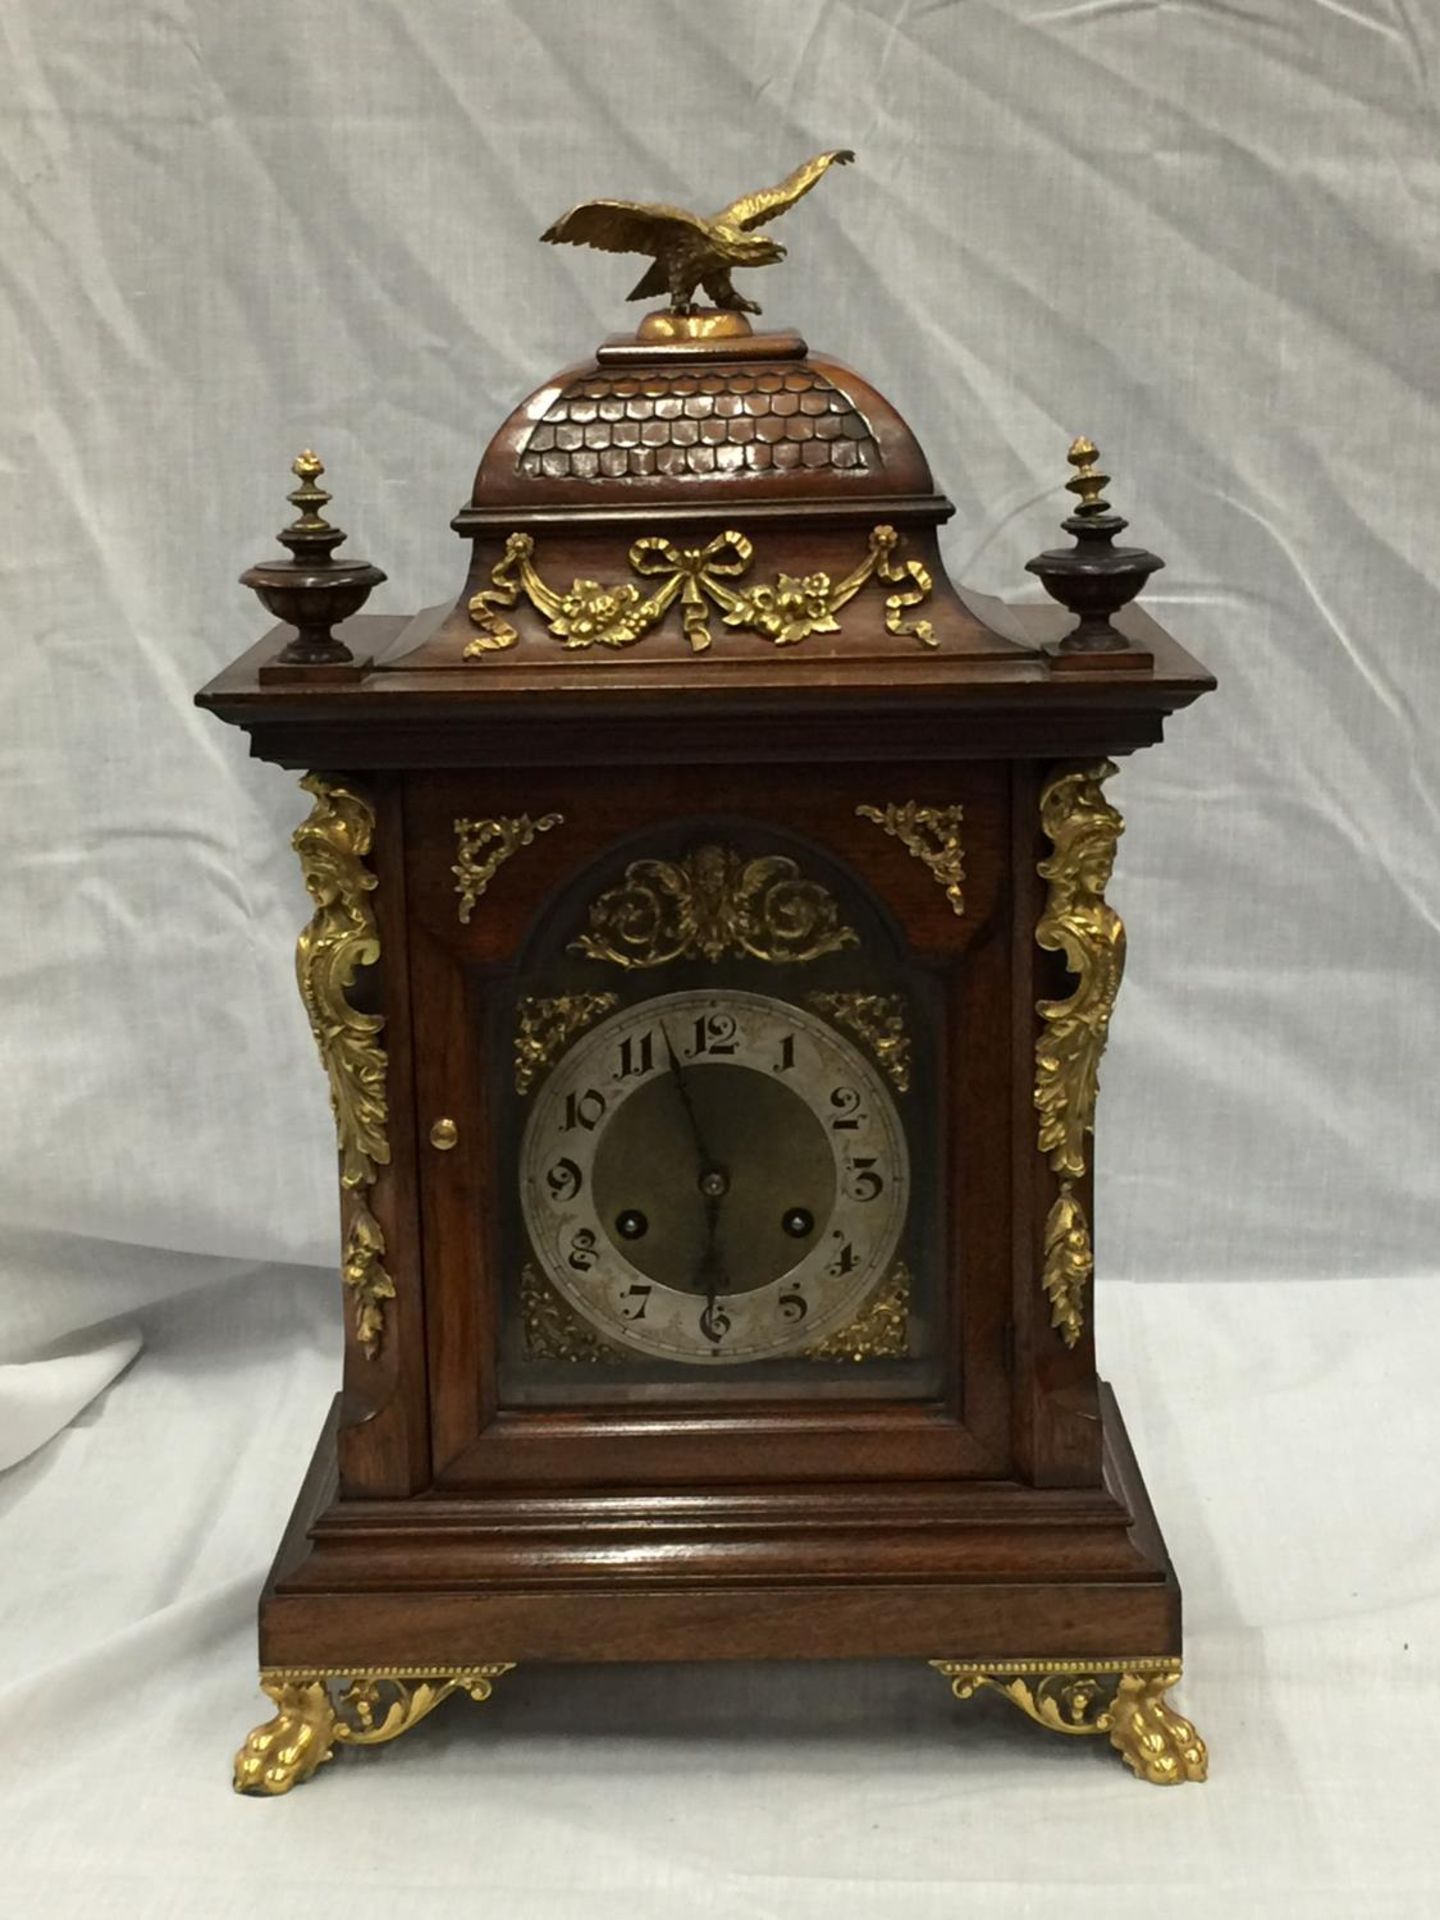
x,y
443,1135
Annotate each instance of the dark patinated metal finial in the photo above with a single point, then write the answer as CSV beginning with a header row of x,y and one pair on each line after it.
x,y
311,591
1094,578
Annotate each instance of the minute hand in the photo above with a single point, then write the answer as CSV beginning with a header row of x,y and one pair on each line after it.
x,y
713,1182
682,1087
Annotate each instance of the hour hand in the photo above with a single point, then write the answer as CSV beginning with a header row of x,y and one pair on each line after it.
x,y
711,1279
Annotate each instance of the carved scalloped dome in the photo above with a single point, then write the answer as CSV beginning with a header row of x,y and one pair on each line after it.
x,y
753,417
615,426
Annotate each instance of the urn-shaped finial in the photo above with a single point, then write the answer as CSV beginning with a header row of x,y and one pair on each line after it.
x,y
311,590
1094,578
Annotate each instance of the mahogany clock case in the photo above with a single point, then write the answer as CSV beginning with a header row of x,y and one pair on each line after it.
x,y
472,1501
987,1501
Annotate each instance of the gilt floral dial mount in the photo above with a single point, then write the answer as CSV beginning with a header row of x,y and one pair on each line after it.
x,y
715,1177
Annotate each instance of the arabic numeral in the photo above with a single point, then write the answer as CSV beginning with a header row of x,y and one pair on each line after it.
x,y
564,1180
846,1102
636,1056
787,1054
794,1307
637,1293
861,1180
845,1260
714,1322
585,1110
583,1251
714,1034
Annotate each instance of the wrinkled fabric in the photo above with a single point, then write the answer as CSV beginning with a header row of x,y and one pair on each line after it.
x,y
39,1397
1287,1440
1203,234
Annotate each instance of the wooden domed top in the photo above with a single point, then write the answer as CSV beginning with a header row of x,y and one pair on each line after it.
x,y
743,417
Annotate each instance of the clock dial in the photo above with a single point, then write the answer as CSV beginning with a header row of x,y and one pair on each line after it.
x,y
714,1177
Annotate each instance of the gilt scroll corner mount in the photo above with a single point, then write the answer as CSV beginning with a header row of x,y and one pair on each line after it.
x,y
930,835
483,846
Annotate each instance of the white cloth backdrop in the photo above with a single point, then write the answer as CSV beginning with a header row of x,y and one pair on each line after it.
x,y
1207,236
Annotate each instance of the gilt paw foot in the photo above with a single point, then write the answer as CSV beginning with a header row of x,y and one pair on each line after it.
x,y
317,1711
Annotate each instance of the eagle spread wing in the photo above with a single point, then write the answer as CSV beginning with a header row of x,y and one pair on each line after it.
x,y
754,209
624,226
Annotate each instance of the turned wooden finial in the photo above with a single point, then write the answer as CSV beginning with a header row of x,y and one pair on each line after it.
x,y
1094,579
311,591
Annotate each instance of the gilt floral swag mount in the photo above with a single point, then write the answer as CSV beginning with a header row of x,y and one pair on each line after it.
x,y
786,610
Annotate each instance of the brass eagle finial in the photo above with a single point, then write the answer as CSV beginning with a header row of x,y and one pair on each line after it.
x,y
688,250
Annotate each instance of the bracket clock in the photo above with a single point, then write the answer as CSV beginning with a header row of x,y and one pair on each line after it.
x,y
711,962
